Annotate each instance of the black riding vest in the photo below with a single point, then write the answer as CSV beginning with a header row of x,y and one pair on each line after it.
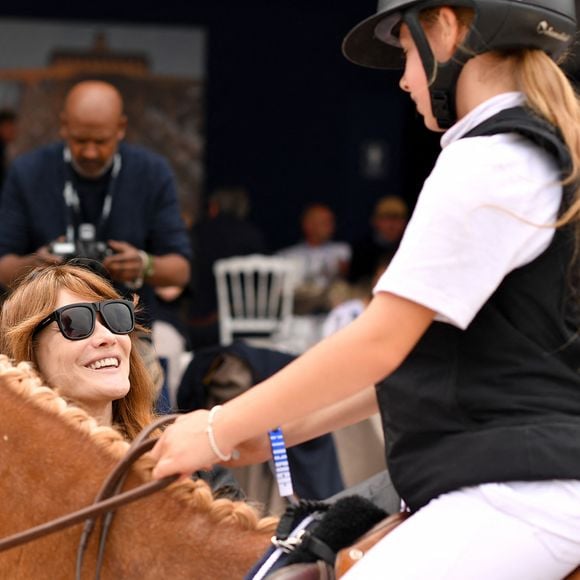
x,y
499,401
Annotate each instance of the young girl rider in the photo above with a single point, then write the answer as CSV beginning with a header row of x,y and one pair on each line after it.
x,y
472,334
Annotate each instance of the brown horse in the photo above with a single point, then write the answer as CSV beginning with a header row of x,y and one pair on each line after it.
x,y
54,459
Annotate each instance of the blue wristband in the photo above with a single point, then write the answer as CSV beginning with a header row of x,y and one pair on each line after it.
x,y
281,465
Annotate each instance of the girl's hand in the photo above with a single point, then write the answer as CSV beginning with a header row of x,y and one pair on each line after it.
x,y
252,451
184,447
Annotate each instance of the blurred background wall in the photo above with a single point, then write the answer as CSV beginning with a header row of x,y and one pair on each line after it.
x,y
275,107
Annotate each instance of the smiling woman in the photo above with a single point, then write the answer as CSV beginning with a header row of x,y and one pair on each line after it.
x,y
70,322
94,369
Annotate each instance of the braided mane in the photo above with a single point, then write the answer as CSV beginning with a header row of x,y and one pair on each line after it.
x,y
25,381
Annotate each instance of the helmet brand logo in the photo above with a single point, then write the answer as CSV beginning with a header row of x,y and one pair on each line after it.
x,y
547,30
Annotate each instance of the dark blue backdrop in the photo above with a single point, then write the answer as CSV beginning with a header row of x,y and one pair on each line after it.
x,y
287,115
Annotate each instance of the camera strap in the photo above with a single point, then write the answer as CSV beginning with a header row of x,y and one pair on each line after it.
x,y
72,201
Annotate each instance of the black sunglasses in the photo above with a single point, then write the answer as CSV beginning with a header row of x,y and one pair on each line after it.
x,y
77,321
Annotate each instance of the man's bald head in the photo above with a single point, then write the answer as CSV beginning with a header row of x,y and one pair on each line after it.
x,y
92,124
90,100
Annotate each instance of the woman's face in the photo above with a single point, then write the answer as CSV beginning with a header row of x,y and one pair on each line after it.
x,y
93,371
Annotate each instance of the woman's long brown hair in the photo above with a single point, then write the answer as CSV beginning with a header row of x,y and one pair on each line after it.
x,y
35,297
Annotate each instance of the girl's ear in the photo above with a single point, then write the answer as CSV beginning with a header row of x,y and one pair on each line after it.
x,y
450,34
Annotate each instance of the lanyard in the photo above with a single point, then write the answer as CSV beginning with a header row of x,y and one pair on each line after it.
x,y
73,204
281,465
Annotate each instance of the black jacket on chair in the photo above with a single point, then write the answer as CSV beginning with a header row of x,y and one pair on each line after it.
x,y
314,464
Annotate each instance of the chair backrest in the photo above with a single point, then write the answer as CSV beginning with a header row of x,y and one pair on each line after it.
x,y
255,295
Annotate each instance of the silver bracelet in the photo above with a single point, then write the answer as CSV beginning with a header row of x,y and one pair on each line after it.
x,y
138,282
211,435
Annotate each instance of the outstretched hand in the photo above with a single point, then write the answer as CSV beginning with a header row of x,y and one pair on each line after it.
x,y
184,447
252,451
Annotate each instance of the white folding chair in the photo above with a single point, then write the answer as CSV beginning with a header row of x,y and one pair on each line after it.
x,y
255,295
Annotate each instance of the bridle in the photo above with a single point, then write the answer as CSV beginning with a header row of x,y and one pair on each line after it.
x,y
107,500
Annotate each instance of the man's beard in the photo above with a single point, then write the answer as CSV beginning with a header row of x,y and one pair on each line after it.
x,y
96,175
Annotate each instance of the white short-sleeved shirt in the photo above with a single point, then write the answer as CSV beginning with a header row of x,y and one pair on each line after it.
x,y
485,210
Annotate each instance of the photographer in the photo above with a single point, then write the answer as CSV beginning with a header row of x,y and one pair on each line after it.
x,y
93,196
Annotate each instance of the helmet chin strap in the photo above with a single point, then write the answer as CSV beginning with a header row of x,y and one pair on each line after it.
x,y
442,77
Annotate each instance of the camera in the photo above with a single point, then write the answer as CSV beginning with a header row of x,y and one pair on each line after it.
x,y
86,246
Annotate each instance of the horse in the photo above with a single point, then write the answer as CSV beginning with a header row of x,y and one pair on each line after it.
x,y
54,458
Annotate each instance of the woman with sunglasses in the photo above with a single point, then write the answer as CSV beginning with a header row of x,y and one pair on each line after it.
x,y
71,323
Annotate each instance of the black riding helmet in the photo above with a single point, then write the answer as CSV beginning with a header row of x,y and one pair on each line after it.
x,y
549,25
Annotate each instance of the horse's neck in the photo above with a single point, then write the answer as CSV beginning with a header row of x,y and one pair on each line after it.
x,y
49,468
176,542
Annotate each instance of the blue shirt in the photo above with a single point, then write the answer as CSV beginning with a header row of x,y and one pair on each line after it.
x,y
145,209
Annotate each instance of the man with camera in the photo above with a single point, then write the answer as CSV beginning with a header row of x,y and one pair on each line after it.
x,y
94,196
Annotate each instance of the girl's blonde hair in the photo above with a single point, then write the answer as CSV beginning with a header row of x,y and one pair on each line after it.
x,y
551,96
35,297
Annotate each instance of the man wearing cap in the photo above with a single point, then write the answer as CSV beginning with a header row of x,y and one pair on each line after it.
x,y
375,249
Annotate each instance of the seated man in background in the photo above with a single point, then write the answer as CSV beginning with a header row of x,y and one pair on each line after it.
x,y
374,249
320,260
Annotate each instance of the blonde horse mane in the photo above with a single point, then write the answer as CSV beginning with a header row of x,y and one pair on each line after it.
x,y
24,380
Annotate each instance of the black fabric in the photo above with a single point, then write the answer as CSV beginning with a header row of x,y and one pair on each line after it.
x,y
213,238
368,254
91,194
295,513
314,464
378,489
192,392
144,212
222,483
499,401
344,522
334,526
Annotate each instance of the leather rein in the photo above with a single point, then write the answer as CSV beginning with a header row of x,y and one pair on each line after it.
x,y
107,500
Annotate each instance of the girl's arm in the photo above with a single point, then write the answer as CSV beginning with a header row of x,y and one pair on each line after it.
x,y
347,412
342,414
361,354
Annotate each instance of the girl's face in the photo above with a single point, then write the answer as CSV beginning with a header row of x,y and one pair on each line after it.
x,y
92,372
443,35
414,79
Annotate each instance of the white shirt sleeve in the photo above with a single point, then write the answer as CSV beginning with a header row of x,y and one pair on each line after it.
x,y
484,211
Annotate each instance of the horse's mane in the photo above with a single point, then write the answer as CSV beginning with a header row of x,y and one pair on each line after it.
x,y
24,381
